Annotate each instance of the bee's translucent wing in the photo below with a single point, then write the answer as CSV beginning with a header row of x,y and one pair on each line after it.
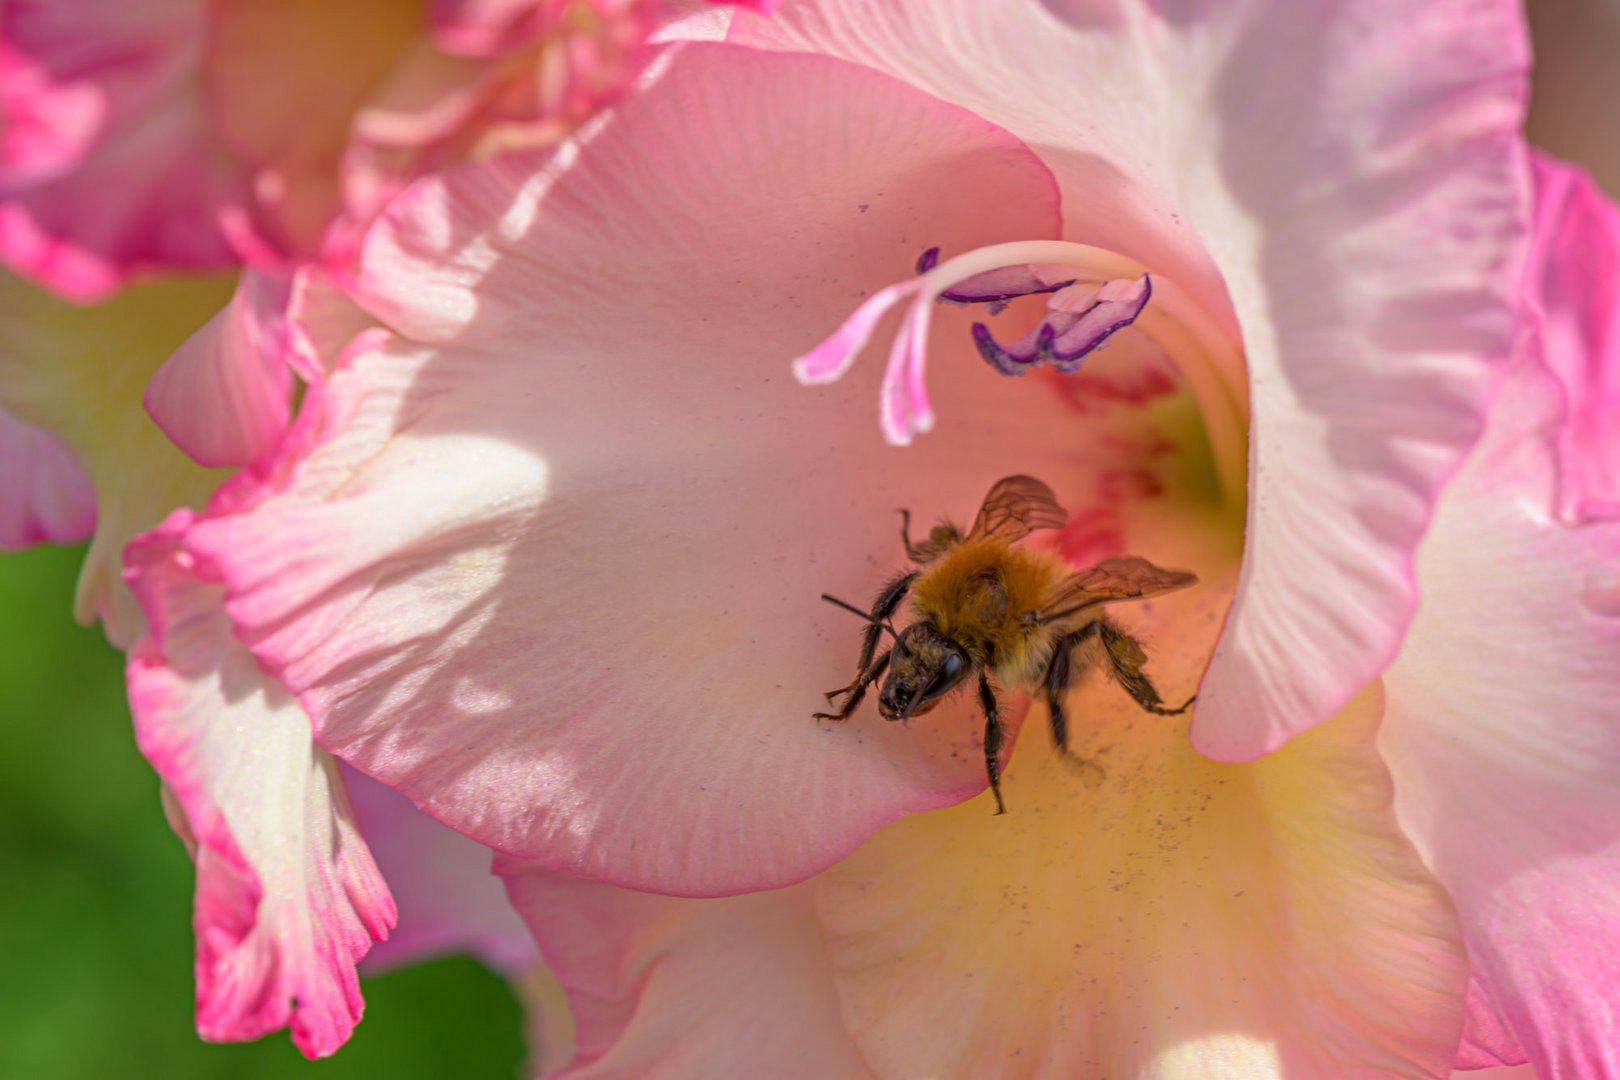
x,y
1015,507
1127,577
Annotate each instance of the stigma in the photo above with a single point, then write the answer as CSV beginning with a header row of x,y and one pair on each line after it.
x,y
1091,295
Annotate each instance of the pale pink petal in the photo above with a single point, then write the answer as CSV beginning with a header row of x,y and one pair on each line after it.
x,y
108,166
1488,1040
661,988
549,577
288,898
1502,729
1575,264
225,396
322,321
1342,183
45,498
448,897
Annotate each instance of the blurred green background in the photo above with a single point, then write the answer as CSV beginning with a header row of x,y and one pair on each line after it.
x,y
95,933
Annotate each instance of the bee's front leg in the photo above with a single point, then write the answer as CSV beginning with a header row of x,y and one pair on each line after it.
x,y
856,690
883,609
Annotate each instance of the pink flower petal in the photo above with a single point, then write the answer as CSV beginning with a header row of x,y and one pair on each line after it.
x,y
449,899
486,27
548,578
46,497
1349,179
288,898
1502,726
108,166
226,395
665,987
290,135
1575,266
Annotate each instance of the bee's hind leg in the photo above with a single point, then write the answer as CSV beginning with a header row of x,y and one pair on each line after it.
x,y
992,739
1058,675
1126,659
856,690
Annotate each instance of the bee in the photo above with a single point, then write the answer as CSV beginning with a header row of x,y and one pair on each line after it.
x,y
1010,616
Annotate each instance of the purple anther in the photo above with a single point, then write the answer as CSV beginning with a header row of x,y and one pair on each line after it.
x,y
1013,359
1064,339
1000,286
993,287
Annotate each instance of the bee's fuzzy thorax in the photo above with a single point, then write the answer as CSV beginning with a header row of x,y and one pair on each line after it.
x,y
979,593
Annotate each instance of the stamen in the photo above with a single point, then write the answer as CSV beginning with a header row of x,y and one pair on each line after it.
x,y
1080,320
1092,295
992,276
997,287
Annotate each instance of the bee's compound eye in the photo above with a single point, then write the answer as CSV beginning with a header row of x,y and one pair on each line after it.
x,y
945,679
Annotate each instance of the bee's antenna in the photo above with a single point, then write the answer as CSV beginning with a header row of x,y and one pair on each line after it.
x,y
865,615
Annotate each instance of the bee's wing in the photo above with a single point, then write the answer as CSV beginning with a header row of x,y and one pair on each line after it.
x,y
1015,507
1127,577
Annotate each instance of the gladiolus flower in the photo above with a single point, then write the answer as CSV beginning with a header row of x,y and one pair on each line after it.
x,y
543,549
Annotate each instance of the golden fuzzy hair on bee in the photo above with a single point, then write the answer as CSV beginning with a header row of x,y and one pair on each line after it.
x,y
979,594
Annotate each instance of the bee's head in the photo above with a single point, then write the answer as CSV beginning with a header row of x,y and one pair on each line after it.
x,y
924,666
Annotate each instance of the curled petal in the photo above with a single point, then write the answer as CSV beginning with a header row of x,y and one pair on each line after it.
x,y
46,497
449,898
225,396
1574,269
288,898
